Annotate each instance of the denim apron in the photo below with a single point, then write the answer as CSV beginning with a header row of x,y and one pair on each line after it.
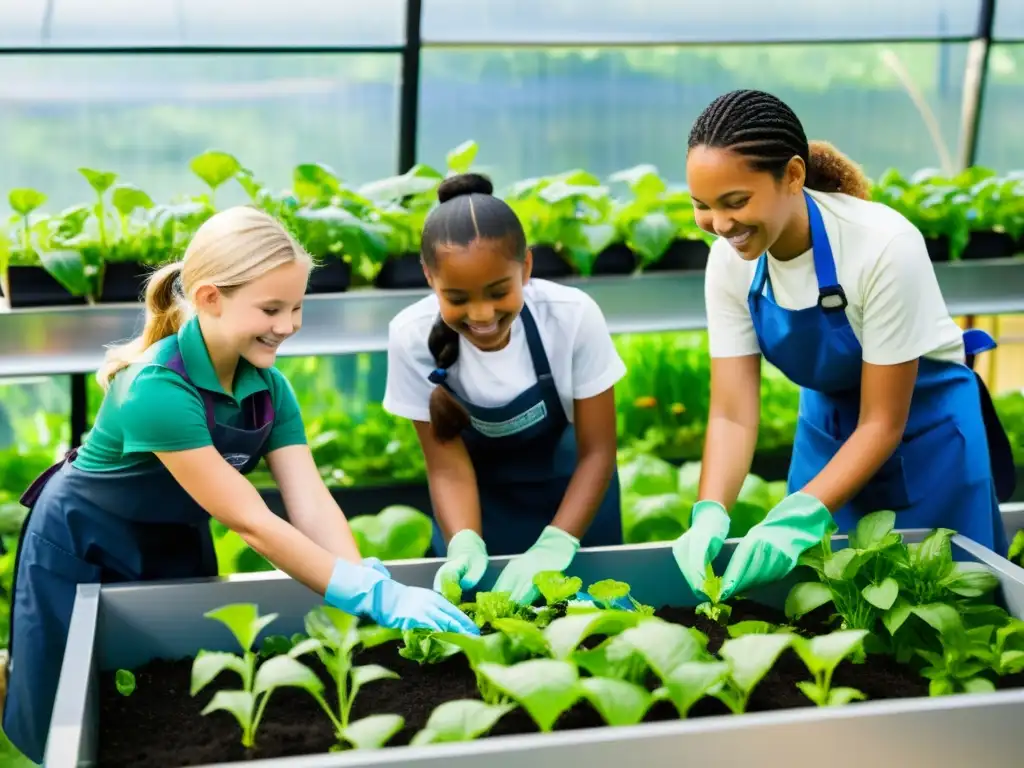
x,y
954,453
524,455
88,527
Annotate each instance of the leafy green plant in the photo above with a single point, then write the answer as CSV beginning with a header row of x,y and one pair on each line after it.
x,y
750,658
460,720
822,655
544,688
124,680
714,608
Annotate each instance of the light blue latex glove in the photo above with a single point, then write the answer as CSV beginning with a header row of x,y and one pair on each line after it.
x,y
363,590
466,561
771,548
554,550
377,565
700,545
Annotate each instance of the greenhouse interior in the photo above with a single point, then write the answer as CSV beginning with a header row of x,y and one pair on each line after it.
x,y
125,126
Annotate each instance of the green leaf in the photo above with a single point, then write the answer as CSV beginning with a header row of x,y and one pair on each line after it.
x,y
478,649
882,595
838,697
945,620
214,167
556,587
970,582
238,703
23,200
124,679
284,671
565,634
523,634
806,597
608,591
845,564
461,158
301,648
68,268
314,181
460,720
872,529
368,673
334,628
741,628
372,732
652,235
100,181
751,656
691,681
397,532
243,620
208,664
127,197
617,701
545,688
897,615
663,645
821,654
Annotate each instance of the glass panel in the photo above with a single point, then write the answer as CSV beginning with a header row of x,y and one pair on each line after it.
x,y
542,111
146,116
1009,20
201,22
570,21
999,144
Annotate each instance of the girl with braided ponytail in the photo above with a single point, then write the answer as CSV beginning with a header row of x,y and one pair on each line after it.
x,y
509,381
838,293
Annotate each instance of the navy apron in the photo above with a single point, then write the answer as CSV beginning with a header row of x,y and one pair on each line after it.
x,y
87,527
953,457
524,455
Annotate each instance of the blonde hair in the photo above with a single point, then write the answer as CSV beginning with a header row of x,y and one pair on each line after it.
x,y
231,248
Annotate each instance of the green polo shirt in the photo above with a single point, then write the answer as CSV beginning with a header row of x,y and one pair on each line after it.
x,y
150,408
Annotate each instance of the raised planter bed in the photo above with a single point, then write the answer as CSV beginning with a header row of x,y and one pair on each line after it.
x,y
130,626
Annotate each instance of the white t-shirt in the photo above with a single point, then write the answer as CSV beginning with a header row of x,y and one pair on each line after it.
x,y
895,307
583,358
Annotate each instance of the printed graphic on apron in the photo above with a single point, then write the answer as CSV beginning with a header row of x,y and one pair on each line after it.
x,y
236,460
528,418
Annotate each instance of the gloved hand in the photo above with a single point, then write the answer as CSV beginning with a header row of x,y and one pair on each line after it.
x,y
709,525
466,561
554,550
364,591
377,565
771,548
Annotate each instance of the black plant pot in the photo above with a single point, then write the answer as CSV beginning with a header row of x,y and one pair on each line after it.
x,y
938,248
682,255
35,287
548,263
124,281
332,276
616,259
989,245
405,271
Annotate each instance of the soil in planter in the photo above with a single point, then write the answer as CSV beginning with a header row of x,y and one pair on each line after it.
x,y
161,725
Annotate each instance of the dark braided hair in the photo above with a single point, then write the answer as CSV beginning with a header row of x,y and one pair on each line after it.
x,y
468,211
768,133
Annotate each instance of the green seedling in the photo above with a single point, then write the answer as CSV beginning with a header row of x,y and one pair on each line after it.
x,y
491,606
451,589
424,647
545,688
613,659
482,649
665,646
249,703
714,609
750,658
690,682
565,634
557,590
741,628
964,655
617,701
124,680
524,639
608,592
460,720
275,645
822,655
334,637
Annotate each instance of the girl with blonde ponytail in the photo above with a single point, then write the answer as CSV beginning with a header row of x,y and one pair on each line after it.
x,y
191,406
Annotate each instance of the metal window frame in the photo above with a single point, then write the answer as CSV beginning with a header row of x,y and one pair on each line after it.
x,y
975,79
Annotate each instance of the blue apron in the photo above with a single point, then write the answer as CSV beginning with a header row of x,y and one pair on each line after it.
x,y
524,455
953,455
88,527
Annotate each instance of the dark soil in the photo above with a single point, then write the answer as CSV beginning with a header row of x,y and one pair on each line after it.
x,y
160,724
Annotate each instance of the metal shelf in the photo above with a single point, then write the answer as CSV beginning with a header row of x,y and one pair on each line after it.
x,y
72,339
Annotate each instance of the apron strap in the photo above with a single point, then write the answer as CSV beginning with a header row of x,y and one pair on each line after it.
x,y
541,364
831,296
177,365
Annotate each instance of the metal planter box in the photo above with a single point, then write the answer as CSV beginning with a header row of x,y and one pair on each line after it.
x,y
126,626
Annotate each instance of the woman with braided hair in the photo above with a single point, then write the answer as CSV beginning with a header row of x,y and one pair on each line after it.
x,y
839,294
509,381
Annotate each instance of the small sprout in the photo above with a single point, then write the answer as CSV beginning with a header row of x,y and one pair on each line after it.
x,y
481,649
805,597
460,720
557,588
615,659
125,682
821,655
424,647
749,657
491,606
713,609
664,646
525,639
754,628
451,590
545,688
372,732
608,591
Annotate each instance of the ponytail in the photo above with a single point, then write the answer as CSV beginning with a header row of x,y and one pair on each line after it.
x,y
165,314
829,170
447,416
